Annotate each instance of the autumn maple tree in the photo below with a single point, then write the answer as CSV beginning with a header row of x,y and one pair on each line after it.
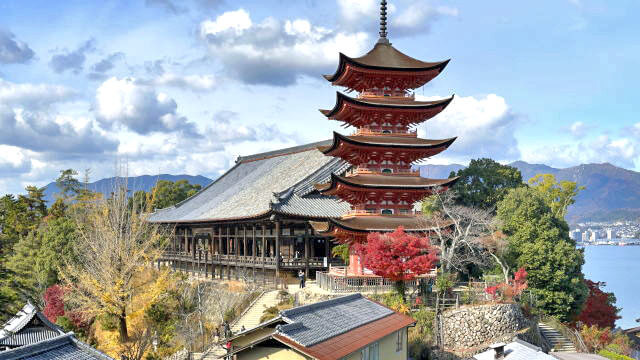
x,y
599,309
397,256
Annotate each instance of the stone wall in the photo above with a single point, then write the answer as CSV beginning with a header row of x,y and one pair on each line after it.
x,y
473,327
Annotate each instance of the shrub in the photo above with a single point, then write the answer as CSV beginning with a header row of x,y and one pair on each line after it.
x,y
598,339
613,356
229,315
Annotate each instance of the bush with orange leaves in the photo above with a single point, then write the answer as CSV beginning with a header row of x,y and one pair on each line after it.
x,y
509,291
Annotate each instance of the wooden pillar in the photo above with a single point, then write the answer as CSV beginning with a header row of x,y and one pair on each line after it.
x,y
228,240
236,249
327,248
264,250
253,250
278,233
219,266
306,250
292,241
244,241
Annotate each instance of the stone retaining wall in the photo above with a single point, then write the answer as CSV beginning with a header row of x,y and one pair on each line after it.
x,y
471,327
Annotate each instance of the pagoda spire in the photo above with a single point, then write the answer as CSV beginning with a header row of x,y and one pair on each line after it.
x,y
383,22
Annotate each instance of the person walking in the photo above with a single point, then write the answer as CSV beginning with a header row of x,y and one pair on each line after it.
x,y
301,277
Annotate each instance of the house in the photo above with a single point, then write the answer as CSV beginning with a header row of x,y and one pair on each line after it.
x,y
348,327
634,336
516,350
30,335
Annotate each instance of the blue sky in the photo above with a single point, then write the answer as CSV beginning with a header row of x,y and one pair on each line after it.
x,y
174,86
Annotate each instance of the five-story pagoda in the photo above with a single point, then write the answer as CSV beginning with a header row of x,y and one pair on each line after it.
x,y
381,187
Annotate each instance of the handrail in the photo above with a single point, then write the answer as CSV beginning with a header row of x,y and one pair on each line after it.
x,y
247,308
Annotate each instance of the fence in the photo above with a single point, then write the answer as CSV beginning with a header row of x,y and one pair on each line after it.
x,y
340,284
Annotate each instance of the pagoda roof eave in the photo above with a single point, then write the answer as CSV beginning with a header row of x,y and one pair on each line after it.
x,y
375,62
386,182
417,105
367,141
377,223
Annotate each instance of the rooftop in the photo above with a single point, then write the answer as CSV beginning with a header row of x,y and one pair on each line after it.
x,y
61,347
276,181
517,350
28,326
334,328
384,56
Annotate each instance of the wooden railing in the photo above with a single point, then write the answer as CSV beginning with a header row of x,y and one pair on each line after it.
x,y
340,284
203,256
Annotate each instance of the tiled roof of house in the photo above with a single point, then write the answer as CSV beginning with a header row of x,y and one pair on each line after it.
x,y
280,181
517,350
315,323
61,347
331,329
28,326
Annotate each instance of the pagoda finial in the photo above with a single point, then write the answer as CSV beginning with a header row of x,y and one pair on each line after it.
x,y
383,22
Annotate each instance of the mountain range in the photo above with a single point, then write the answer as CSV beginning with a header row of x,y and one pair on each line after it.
x,y
134,183
611,193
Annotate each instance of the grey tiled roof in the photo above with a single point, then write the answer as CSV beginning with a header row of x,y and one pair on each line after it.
x,y
279,180
28,336
315,323
62,347
28,326
517,350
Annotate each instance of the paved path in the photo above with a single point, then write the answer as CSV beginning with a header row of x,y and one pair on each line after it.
x,y
577,356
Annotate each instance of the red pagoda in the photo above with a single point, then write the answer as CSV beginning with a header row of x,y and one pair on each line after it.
x,y
381,186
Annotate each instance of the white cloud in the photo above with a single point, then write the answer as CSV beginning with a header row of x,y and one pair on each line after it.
x,y
32,96
623,151
273,51
72,60
12,50
14,162
484,127
415,16
51,136
140,108
196,83
578,129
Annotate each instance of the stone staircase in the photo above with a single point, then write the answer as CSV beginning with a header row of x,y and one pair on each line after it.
x,y
251,317
214,353
559,343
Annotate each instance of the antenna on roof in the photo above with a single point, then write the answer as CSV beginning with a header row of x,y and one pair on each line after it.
x,y
383,23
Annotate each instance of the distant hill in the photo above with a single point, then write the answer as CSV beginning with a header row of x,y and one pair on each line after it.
x,y
438,171
135,183
611,193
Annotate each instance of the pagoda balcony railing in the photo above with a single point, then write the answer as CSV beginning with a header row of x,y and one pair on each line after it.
x,y
378,171
369,132
361,212
203,256
387,93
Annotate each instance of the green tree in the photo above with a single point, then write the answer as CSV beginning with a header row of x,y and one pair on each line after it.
x,y
558,194
539,241
39,256
68,184
484,183
168,193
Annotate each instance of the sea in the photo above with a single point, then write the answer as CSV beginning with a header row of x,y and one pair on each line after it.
x,y
619,268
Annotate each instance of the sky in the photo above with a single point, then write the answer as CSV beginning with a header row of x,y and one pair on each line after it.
x,y
184,87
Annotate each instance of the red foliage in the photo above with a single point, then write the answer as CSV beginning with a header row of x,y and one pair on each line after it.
x,y
492,290
397,256
512,289
54,302
599,308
